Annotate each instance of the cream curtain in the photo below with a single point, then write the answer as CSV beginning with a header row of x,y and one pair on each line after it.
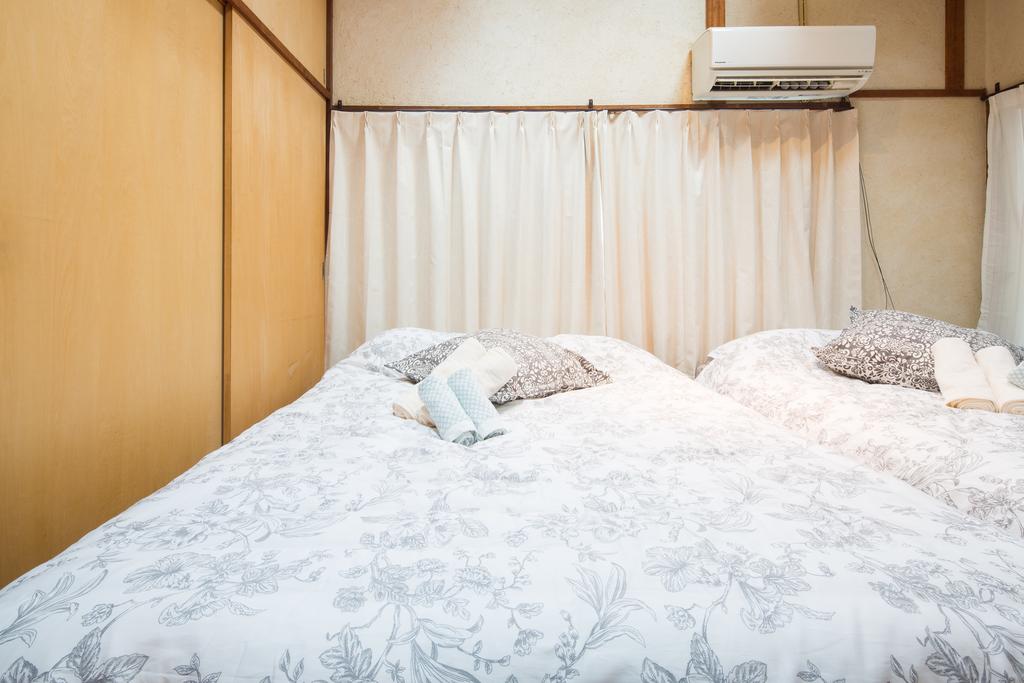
x,y
458,221
676,231
1002,260
718,224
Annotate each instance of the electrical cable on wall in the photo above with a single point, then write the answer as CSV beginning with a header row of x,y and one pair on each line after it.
x,y
889,303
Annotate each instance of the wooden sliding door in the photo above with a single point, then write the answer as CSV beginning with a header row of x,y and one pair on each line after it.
x,y
110,259
301,25
275,146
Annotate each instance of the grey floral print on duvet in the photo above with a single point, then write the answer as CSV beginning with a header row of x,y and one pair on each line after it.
x,y
969,459
604,539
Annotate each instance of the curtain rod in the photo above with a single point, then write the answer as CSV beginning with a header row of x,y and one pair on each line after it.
x,y
985,97
841,105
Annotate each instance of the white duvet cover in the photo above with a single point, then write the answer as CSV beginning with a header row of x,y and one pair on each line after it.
x,y
646,530
970,459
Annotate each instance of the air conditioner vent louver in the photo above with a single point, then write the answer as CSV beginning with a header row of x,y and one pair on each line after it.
x,y
742,85
782,62
747,85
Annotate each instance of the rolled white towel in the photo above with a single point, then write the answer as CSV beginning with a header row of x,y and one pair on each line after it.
x,y
960,377
409,404
492,370
997,363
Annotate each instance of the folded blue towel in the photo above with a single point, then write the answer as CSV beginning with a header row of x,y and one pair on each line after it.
x,y
453,424
476,403
1016,376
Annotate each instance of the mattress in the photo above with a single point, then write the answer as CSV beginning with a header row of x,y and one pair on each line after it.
x,y
644,530
972,460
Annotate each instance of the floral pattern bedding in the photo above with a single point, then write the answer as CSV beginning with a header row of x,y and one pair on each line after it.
x,y
970,459
643,530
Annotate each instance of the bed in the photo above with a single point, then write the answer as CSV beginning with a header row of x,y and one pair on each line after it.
x,y
972,460
643,530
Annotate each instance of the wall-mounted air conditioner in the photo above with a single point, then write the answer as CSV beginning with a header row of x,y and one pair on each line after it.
x,y
782,62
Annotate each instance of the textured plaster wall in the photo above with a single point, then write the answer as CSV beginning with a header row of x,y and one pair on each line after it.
x,y
1005,42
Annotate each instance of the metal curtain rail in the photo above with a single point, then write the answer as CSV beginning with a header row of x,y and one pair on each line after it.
x,y
1000,89
842,105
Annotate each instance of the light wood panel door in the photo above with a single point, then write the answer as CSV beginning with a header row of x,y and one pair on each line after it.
x,y
302,26
110,260
274,231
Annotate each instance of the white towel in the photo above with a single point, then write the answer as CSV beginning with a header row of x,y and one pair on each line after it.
x,y
492,368
409,404
997,363
492,371
960,377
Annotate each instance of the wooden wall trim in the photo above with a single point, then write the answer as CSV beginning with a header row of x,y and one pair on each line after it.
x,y
919,92
330,49
225,421
264,32
327,132
954,44
714,13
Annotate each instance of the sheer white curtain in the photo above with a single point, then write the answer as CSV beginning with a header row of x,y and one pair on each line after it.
x,y
676,231
1002,260
459,221
717,224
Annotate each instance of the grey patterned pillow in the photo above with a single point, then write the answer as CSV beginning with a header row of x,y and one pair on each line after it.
x,y
545,368
1017,376
894,347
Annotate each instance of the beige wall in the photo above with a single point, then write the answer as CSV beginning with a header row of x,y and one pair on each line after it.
x,y
923,159
513,51
1004,26
924,167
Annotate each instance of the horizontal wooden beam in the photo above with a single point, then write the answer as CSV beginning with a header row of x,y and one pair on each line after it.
x,y
919,92
264,31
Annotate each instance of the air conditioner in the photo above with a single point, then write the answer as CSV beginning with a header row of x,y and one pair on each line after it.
x,y
782,62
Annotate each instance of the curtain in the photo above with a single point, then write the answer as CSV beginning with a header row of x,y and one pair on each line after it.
x,y
718,224
1002,259
459,221
676,231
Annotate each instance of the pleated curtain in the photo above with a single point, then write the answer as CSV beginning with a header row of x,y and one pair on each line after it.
x,y
458,221
717,224
676,231
1002,260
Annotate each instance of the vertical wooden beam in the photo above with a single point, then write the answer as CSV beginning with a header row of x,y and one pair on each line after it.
x,y
954,44
714,12
330,101
330,51
225,420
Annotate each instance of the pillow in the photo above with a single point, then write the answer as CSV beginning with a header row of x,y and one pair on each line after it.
x,y
1017,376
894,347
545,368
